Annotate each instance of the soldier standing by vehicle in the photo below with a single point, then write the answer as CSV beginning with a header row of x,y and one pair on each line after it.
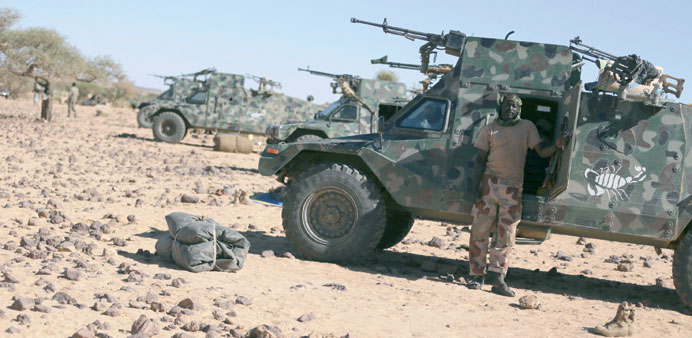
x,y
502,146
72,100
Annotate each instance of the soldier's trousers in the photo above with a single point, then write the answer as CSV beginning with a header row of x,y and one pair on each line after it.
x,y
70,108
498,209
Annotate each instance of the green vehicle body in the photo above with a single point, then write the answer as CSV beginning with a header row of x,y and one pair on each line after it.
x,y
179,87
625,175
222,103
348,115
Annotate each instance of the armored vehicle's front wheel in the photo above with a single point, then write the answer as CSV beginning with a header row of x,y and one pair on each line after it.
x,y
398,226
682,269
169,127
143,120
333,212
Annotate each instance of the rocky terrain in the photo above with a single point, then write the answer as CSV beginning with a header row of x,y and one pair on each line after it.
x,y
82,203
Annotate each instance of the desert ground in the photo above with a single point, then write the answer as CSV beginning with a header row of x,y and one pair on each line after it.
x,y
83,200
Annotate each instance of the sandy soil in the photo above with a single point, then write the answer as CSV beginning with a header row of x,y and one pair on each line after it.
x,y
98,170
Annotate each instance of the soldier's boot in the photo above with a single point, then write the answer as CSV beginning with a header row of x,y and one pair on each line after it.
x,y
243,197
236,194
499,286
476,282
622,325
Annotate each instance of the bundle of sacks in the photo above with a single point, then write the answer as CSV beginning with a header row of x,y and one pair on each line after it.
x,y
199,244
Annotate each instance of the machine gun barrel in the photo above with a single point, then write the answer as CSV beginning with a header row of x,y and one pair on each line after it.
x,y
315,72
577,45
407,33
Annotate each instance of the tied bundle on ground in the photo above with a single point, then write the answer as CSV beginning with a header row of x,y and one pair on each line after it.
x,y
200,244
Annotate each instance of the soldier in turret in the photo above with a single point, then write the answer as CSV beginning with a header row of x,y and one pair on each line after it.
x,y
502,146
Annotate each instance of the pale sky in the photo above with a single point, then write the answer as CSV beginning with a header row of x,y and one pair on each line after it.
x,y
274,38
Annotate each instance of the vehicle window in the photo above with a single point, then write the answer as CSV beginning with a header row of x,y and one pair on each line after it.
x,y
324,113
349,113
429,114
199,97
167,95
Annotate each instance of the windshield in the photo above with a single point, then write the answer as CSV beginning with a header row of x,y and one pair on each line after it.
x,y
323,114
167,95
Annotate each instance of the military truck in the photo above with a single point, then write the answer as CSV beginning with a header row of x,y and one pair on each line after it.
x,y
625,174
362,103
223,104
179,88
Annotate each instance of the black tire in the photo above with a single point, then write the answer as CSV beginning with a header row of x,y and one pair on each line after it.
x,y
682,269
334,213
169,127
308,137
143,120
398,226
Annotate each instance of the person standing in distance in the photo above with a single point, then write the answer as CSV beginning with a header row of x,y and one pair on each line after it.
x,y
502,146
72,99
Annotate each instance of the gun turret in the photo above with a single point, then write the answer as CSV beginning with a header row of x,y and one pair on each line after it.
x,y
628,69
452,43
351,82
264,82
433,71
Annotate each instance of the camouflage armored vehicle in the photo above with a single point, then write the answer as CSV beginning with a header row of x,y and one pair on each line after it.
x,y
221,103
361,104
179,87
625,175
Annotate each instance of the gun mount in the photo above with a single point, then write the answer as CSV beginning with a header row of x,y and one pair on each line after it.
x,y
452,42
263,83
627,69
347,82
432,73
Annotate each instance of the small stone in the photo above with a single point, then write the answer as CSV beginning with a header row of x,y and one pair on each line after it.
x,y
100,305
83,333
306,317
63,298
267,253
660,282
648,263
187,198
625,267
243,301
581,241
122,219
178,282
288,255
117,241
561,255
191,303
23,303
131,219
137,305
9,278
145,326
113,311
529,302
41,308
192,326
163,276
12,330
437,242
72,274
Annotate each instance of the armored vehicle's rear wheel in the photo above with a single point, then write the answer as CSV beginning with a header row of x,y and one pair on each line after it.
x,y
143,120
307,137
682,269
398,226
333,212
169,127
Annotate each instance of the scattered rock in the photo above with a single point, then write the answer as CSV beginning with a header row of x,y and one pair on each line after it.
x,y
529,302
437,242
561,255
22,303
191,303
145,326
72,274
267,253
63,298
187,198
306,317
243,301
625,267
581,241
288,255
264,331
84,333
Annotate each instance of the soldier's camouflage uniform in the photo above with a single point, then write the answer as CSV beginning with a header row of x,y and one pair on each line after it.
x,y
499,208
